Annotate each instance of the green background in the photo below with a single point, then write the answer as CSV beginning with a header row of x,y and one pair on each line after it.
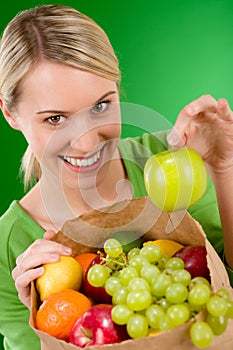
x,y
170,52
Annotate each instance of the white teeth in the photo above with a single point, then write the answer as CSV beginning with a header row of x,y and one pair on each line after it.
x,y
83,162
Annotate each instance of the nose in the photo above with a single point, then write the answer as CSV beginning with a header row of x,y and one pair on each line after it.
x,y
86,142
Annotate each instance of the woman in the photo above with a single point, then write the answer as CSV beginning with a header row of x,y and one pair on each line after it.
x,y
59,83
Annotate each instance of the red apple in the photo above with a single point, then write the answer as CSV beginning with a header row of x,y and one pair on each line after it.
x,y
95,327
97,294
195,261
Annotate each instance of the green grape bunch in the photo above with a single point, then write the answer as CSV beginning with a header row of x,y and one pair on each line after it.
x,y
153,292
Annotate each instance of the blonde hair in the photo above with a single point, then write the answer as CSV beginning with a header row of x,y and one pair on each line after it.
x,y
55,33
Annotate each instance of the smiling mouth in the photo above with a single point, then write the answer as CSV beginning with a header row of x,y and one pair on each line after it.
x,y
85,162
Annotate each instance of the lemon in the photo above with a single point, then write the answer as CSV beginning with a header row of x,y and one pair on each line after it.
x,y
63,274
167,246
153,332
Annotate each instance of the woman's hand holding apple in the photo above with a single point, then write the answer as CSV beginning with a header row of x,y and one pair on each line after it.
x,y
206,125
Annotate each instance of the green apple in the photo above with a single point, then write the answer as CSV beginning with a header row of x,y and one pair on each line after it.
x,y
175,179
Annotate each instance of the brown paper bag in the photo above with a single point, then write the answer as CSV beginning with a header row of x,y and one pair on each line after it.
x,y
88,232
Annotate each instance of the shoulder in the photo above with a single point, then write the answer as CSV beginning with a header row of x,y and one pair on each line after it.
x,y
10,216
144,145
16,215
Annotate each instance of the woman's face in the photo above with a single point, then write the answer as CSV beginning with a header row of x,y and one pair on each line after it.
x,y
71,120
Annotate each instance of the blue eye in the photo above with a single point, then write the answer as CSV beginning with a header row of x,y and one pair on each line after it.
x,y
100,107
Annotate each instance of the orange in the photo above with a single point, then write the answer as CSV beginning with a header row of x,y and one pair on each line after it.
x,y
59,312
63,274
167,246
84,260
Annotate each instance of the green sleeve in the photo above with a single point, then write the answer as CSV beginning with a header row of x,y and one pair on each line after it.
x,y
205,211
17,232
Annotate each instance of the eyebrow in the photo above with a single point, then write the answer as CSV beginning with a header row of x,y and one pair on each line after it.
x,y
53,111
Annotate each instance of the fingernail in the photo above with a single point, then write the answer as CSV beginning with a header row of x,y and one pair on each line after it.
x,y
40,270
172,139
190,110
68,250
222,103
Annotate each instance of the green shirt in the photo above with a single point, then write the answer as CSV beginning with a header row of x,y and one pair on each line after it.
x,y
18,230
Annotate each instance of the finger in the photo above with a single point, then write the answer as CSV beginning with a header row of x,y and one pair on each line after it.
x,y
14,273
177,137
23,283
29,263
205,103
25,296
39,253
224,110
49,234
41,246
26,278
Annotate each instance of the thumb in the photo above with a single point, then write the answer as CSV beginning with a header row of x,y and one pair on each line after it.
x,y
49,234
